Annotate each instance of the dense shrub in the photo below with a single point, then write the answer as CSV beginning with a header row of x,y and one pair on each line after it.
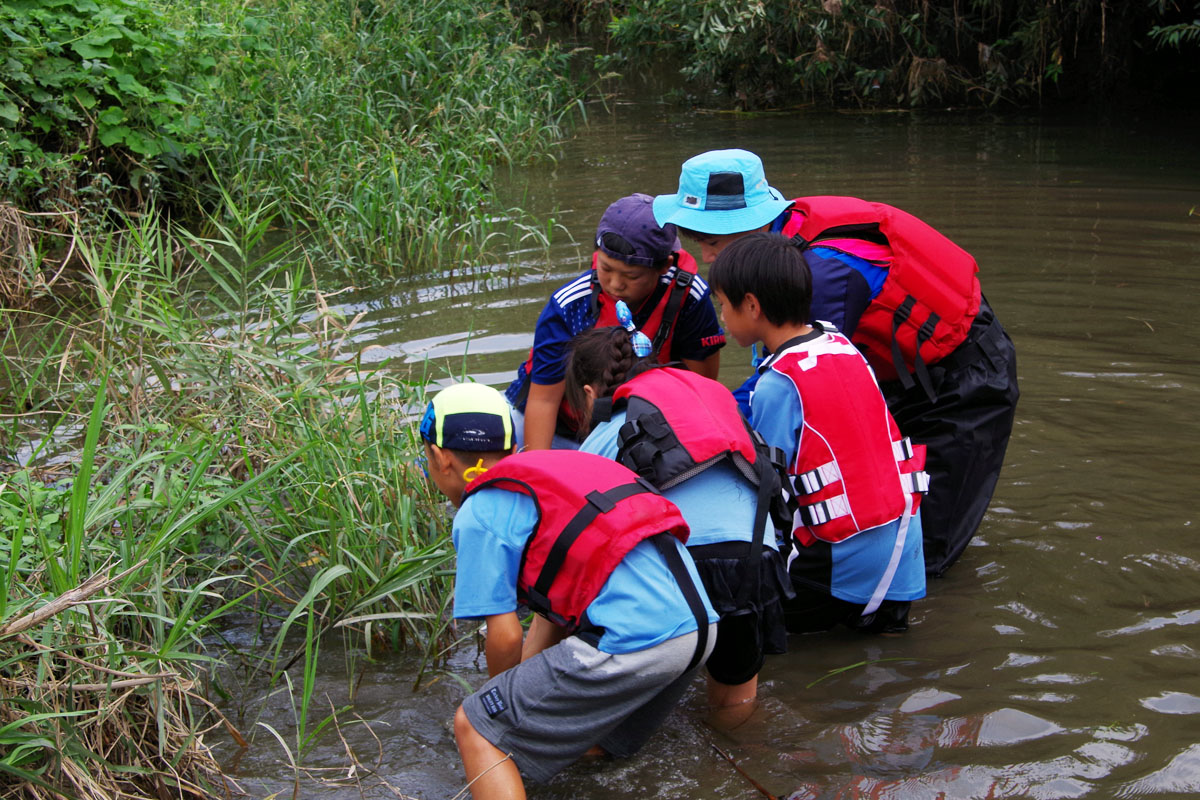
x,y
94,102
900,52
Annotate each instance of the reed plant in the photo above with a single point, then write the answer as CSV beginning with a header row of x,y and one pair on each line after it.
x,y
377,126
222,457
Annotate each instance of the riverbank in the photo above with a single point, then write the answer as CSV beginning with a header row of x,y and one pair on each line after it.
x,y
221,461
372,130
182,438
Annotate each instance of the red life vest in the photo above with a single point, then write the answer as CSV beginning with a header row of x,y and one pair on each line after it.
x,y
591,513
669,308
678,424
852,467
929,298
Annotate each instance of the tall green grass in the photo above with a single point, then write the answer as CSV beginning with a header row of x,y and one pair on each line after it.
x,y
377,126
222,461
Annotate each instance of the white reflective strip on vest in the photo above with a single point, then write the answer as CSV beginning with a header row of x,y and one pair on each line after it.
x,y
817,479
824,511
885,580
915,482
902,449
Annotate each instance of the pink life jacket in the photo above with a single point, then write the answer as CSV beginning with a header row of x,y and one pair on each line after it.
x,y
929,298
852,467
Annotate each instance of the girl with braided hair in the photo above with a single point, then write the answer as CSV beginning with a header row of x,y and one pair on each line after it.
x,y
683,433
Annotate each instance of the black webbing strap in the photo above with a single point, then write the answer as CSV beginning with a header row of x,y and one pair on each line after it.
x,y
751,568
923,378
597,503
679,570
898,319
923,335
678,293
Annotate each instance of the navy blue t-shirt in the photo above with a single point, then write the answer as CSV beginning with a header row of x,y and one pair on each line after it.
x,y
569,312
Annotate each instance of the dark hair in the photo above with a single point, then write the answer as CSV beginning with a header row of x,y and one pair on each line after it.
x,y
773,269
603,358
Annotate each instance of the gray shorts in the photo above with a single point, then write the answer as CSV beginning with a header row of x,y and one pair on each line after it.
x,y
546,712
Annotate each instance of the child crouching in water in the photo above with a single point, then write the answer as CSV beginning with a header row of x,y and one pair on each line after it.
x,y
622,623
683,433
858,558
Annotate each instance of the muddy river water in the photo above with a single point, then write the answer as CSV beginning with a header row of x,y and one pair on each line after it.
x,y
1060,657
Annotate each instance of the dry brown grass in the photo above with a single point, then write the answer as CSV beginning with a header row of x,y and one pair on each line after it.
x,y
28,271
89,723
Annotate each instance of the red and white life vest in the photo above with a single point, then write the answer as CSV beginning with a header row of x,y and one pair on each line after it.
x,y
852,467
930,296
591,512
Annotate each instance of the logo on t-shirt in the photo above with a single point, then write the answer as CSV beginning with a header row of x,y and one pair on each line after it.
x,y
493,703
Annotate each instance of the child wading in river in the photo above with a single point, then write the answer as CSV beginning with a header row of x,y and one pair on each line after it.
x,y
642,264
683,433
621,624
858,558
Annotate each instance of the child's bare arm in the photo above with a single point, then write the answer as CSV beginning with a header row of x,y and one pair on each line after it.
x,y
542,634
708,367
503,645
541,414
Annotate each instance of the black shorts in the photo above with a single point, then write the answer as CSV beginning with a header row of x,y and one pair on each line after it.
x,y
750,630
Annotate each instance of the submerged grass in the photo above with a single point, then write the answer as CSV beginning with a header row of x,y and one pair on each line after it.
x,y
227,460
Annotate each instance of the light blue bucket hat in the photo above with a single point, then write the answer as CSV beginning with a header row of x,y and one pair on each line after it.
x,y
721,191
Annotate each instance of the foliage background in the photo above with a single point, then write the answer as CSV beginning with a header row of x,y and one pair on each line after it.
x,y
908,53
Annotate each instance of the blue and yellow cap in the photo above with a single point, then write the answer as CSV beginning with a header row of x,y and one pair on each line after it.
x,y
468,416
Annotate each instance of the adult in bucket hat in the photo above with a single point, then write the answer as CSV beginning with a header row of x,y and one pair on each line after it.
x,y
908,297
621,624
640,262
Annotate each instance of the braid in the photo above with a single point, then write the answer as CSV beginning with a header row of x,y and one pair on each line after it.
x,y
601,358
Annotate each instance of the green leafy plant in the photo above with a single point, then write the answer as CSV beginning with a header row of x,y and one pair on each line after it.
x,y
94,95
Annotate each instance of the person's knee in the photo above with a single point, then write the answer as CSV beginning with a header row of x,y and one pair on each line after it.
x,y
464,732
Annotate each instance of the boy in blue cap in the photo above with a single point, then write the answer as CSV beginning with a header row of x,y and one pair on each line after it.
x,y
621,626
636,261
905,295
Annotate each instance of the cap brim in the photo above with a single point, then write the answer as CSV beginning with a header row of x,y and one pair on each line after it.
x,y
739,220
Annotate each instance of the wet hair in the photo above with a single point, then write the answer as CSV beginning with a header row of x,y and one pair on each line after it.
x,y
770,267
616,243
602,358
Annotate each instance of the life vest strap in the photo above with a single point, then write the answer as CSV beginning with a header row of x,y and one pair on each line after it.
x,y
924,333
903,448
678,289
670,553
816,479
915,482
597,503
824,511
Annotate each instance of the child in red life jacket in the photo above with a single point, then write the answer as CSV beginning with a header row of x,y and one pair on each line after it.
x,y
621,621
904,294
637,261
858,557
666,424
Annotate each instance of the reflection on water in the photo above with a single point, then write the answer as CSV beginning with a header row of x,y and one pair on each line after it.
x,y
1058,659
